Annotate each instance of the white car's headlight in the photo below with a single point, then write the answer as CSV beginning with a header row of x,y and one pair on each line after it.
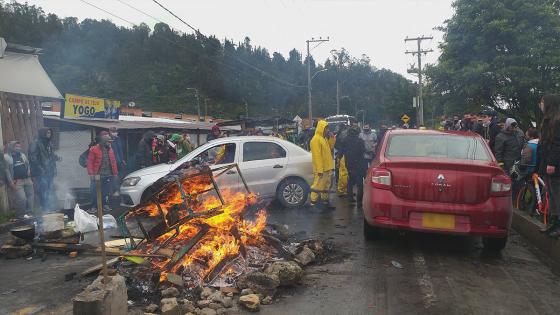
x,y
131,181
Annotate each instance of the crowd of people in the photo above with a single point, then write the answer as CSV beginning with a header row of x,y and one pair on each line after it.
x,y
354,147
520,154
27,176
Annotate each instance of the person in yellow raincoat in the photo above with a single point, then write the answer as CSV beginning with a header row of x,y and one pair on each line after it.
x,y
323,166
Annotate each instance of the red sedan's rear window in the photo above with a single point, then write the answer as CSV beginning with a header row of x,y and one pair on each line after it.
x,y
437,146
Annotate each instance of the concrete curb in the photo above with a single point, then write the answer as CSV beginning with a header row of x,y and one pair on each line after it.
x,y
530,228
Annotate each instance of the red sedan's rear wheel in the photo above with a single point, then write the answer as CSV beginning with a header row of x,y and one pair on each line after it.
x,y
495,244
370,232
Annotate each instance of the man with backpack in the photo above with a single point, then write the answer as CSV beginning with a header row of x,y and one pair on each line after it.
x,y
101,162
17,165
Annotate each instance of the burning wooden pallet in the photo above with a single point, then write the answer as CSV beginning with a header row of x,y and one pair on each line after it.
x,y
201,229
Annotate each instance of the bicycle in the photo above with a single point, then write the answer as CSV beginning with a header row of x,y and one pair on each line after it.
x,y
532,196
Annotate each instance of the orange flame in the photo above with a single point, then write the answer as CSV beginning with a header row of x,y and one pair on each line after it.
x,y
219,242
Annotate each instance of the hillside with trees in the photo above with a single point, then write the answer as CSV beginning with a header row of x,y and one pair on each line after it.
x,y
154,68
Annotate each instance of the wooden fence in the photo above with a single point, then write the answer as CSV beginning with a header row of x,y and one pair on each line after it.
x,y
22,117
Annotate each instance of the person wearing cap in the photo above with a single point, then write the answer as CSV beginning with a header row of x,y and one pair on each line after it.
x,y
102,162
215,134
509,144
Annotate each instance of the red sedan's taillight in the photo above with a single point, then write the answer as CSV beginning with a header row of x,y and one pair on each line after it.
x,y
381,178
501,185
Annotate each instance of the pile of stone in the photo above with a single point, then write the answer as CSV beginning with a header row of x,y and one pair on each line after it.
x,y
251,290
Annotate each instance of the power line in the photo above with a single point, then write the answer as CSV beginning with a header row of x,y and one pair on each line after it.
x,y
263,72
111,14
170,12
280,81
140,11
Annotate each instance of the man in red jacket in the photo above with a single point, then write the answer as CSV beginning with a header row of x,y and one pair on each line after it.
x,y
102,162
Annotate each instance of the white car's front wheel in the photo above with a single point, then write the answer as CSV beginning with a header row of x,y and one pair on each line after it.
x,y
292,192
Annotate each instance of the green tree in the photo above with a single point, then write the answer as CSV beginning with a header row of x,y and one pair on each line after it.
x,y
499,53
155,67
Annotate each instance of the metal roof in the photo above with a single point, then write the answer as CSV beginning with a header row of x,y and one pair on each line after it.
x,y
257,121
141,124
23,74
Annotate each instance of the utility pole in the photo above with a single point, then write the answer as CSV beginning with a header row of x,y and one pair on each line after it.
x,y
197,100
419,52
312,40
198,104
205,109
337,98
246,110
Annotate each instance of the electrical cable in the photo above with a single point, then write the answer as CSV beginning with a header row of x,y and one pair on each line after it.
x,y
111,14
170,12
263,72
280,81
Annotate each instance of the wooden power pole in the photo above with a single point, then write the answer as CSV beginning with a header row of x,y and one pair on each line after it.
x,y
419,52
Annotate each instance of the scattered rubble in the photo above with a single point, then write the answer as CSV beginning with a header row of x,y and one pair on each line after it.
x,y
305,256
251,302
175,279
103,298
207,311
267,300
288,272
170,292
152,308
187,306
207,255
170,306
259,282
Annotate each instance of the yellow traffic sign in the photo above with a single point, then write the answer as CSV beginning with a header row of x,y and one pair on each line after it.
x,y
405,118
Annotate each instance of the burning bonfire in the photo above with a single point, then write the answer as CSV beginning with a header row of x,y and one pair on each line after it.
x,y
196,234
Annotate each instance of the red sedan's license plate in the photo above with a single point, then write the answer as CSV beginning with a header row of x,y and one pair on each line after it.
x,y
438,221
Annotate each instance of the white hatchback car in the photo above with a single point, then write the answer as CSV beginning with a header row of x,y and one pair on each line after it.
x,y
272,168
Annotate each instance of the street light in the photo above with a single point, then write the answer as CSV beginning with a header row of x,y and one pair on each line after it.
x,y
317,73
309,90
197,100
319,41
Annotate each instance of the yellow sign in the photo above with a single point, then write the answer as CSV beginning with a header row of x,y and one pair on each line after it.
x,y
405,118
76,106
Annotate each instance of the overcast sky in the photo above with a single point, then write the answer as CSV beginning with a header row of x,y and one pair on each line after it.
x,y
376,28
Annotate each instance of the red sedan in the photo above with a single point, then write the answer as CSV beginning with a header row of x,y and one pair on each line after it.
x,y
438,182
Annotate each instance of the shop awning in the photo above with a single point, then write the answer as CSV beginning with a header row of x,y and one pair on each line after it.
x,y
23,74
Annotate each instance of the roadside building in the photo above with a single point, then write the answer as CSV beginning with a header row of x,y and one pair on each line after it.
x,y
24,84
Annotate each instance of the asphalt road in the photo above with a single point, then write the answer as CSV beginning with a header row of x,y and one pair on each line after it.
x,y
439,274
